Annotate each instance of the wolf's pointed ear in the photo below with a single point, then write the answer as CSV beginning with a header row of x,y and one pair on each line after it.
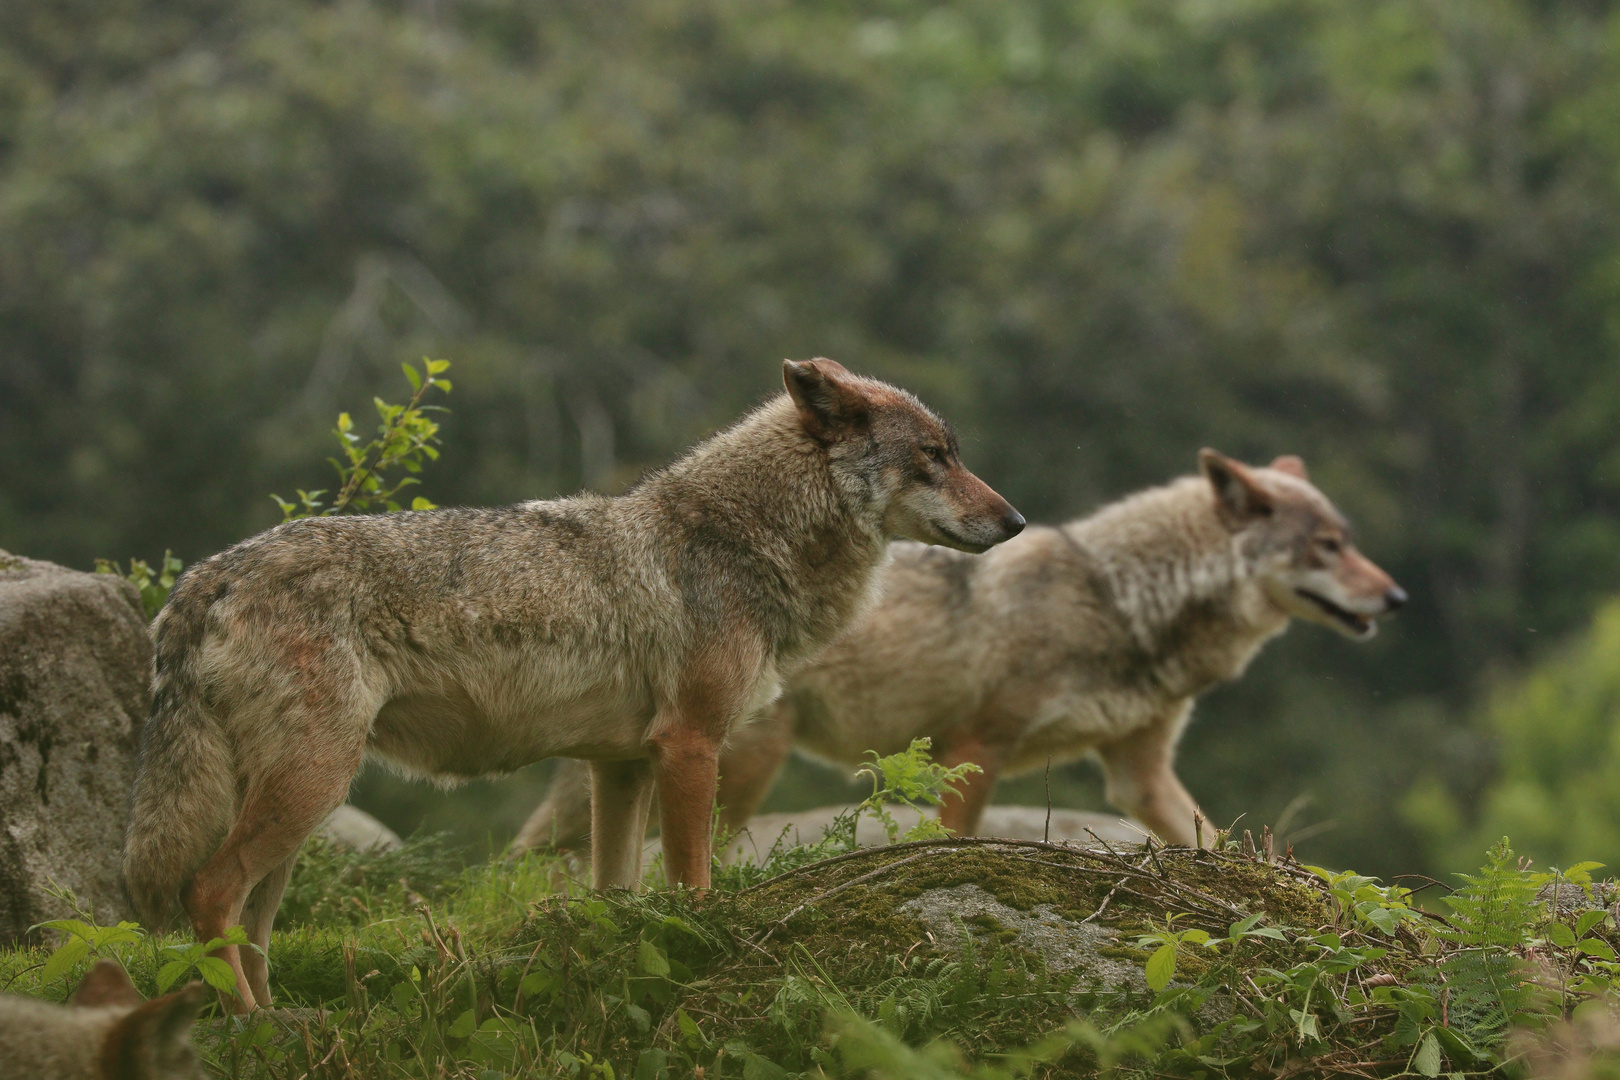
x,y
830,404
159,1032
106,984
1239,499
1292,464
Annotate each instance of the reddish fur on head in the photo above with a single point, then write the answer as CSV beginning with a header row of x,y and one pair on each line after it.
x,y
831,406
1327,579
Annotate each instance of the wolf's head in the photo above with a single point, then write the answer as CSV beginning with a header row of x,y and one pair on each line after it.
x,y
1298,545
903,453
151,1040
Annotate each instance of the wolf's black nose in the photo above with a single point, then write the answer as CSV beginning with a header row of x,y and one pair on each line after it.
x,y
1013,522
1394,598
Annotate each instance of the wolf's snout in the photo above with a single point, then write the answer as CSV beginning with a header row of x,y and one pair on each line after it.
x,y
1394,598
1012,523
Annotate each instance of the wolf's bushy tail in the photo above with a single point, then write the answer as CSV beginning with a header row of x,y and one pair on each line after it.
x,y
184,799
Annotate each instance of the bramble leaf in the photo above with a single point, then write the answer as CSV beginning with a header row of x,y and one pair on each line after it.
x,y
1161,967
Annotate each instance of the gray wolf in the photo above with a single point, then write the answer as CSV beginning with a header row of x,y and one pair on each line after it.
x,y
105,1032
1090,638
631,631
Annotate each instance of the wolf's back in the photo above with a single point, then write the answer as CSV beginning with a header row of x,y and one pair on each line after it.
x,y
184,798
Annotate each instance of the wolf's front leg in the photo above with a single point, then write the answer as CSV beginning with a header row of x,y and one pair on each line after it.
x,y
1141,777
621,795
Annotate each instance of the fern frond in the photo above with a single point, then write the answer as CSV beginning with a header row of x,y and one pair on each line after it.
x,y
1494,914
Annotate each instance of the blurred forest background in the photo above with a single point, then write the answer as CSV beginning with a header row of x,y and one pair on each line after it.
x,y
1096,234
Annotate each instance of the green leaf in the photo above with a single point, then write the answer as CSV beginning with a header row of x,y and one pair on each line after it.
x,y
217,973
70,926
442,384
415,379
650,1065
436,366
1588,919
1561,935
1305,1024
1597,947
1243,926
650,959
234,935
689,1028
1427,1059
1380,916
759,1068
464,1025
169,972
402,994
1161,967
64,958
1195,937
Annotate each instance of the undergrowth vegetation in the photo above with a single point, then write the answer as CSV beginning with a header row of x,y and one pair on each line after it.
x,y
930,957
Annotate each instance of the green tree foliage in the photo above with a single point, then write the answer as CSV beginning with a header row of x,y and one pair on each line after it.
x,y
1556,788
1097,233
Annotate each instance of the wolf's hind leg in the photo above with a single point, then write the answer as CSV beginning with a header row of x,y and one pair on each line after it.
x,y
286,800
621,796
562,821
962,814
257,919
752,757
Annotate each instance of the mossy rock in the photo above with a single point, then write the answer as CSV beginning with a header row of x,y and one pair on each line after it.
x,y
1049,928
1044,893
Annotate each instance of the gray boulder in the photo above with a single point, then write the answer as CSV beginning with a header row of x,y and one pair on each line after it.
x,y
1009,822
351,827
75,661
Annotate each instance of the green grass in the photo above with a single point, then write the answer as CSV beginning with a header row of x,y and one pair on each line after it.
x,y
405,964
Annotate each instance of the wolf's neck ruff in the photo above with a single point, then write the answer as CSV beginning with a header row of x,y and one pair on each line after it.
x,y
1166,559
809,539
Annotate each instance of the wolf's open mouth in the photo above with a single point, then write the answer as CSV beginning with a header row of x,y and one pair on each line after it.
x,y
1359,623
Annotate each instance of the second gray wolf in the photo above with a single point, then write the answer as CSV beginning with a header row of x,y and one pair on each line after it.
x,y
631,631
1089,638
104,1032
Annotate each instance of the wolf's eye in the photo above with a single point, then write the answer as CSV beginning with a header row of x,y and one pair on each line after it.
x,y
934,454
1329,545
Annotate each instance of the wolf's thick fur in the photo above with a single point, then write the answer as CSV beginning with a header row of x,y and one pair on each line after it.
x,y
1094,637
631,631
105,1032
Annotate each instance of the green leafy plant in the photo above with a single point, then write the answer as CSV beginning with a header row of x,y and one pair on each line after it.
x,y
1167,944
80,939
1493,914
183,959
911,778
154,587
407,436
83,937
1358,898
